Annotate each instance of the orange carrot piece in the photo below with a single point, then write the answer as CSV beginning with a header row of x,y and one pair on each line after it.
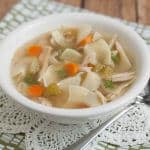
x,y
86,40
35,90
71,68
34,50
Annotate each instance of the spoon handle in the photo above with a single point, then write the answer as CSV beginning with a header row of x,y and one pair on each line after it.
x,y
83,142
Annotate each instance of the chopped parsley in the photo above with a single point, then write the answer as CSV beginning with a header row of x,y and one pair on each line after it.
x,y
108,84
115,58
62,73
31,79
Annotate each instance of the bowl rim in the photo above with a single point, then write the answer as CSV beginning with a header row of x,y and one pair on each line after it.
x,y
87,112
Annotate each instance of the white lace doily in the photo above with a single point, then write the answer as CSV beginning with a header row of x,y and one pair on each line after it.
x,y
41,134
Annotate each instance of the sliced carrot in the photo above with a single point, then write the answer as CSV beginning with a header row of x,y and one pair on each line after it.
x,y
86,40
71,68
34,50
35,90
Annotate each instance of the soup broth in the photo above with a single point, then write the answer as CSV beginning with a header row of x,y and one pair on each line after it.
x,y
72,67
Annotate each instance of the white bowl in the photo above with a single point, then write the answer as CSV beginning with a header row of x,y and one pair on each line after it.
x,y
135,46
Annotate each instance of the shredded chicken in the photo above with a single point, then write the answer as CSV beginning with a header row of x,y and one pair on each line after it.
x,y
53,43
112,42
120,77
45,64
102,97
53,60
120,89
124,63
85,69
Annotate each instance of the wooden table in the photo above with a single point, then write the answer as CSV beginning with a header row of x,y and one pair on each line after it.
x,y
132,10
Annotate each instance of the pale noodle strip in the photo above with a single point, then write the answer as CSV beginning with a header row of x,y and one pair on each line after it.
x,y
45,64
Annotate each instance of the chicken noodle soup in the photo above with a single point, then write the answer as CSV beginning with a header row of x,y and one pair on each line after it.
x,y
72,67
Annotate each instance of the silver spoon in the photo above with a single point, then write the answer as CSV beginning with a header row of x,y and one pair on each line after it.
x,y
83,142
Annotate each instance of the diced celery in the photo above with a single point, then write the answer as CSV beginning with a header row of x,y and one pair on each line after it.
x,y
52,90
